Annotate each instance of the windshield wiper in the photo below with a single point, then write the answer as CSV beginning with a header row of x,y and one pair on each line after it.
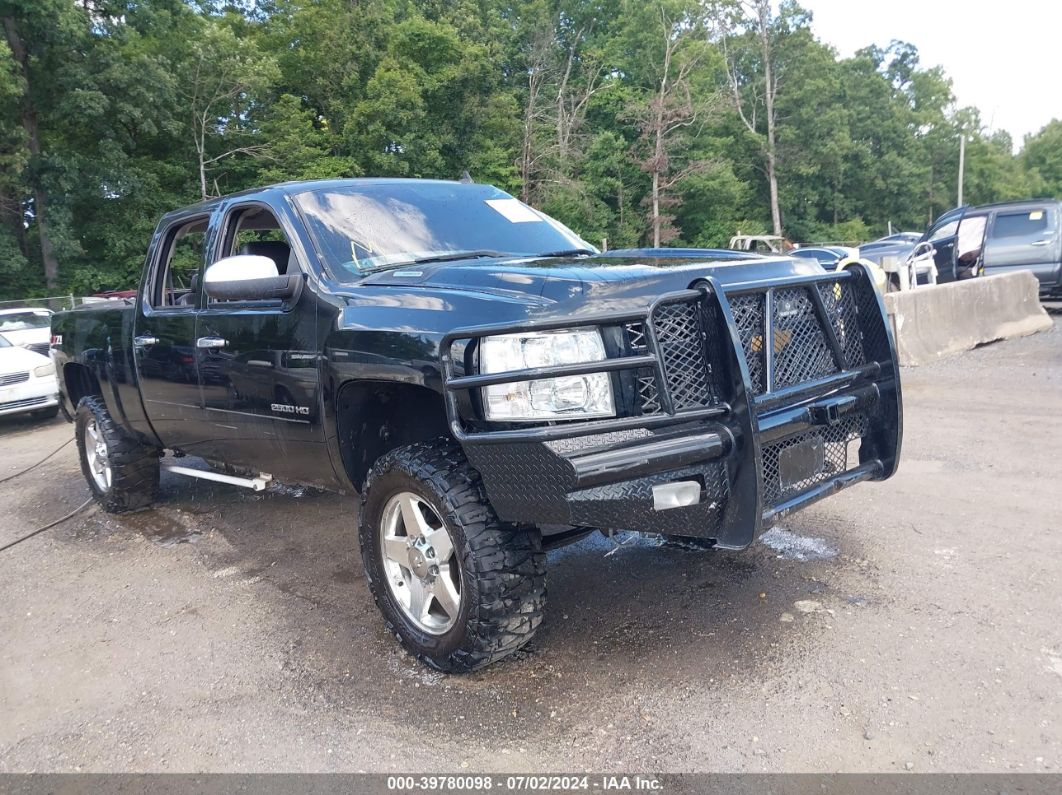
x,y
452,255
447,257
568,252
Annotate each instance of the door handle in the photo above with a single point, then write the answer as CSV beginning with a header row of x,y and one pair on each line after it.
x,y
211,342
144,341
1041,242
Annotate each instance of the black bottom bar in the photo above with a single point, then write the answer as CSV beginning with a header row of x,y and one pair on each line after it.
x,y
867,471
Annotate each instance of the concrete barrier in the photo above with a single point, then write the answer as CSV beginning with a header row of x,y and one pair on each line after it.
x,y
933,322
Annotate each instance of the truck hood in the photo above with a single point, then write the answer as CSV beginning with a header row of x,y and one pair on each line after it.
x,y
561,278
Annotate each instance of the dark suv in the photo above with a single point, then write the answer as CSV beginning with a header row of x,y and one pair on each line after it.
x,y
1018,235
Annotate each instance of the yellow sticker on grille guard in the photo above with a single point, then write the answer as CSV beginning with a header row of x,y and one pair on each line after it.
x,y
782,338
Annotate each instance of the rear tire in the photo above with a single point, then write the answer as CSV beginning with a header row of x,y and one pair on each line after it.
x,y
122,473
493,595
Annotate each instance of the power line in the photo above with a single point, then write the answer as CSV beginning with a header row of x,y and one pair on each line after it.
x,y
49,526
34,466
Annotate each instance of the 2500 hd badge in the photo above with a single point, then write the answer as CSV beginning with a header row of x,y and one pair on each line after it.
x,y
282,408
488,382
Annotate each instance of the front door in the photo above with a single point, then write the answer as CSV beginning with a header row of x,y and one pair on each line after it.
x,y
164,333
968,252
1025,239
258,361
943,235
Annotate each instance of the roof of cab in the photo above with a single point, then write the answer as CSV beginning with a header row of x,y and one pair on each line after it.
x,y
1016,203
301,186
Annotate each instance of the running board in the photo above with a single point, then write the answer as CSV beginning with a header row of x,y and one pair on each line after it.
x,y
255,484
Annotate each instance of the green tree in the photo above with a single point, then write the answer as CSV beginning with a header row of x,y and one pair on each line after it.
x,y
221,78
14,155
44,39
299,145
1042,156
605,113
749,35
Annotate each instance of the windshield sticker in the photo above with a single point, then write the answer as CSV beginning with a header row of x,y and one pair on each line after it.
x,y
1036,215
514,210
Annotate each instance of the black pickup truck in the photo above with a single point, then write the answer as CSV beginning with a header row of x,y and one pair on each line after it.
x,y
489,383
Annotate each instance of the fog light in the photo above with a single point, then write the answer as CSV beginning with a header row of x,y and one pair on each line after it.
x,y
676,495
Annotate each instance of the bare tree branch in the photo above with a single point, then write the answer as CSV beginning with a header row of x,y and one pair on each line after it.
x,y
257,150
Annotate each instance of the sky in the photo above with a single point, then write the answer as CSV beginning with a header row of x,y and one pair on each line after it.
x,y
1003,58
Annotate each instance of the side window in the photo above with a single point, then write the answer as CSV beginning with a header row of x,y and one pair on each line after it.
x,y
1027,223
971,238
255,230
247,238
946,229
183,249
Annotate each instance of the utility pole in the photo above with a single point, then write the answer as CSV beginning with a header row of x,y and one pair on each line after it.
x,y
962,165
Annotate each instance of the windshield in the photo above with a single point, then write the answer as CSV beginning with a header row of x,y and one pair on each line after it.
x,y
20,321
376,226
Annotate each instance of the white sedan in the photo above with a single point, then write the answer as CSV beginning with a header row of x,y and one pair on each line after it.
x,y
29,327
27,382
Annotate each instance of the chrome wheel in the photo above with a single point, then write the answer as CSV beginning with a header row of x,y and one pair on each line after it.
x,y
419,563
96,454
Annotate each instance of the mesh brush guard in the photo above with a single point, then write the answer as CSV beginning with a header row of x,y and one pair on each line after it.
x,y
771,395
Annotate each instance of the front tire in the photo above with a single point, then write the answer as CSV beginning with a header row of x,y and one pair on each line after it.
x,y
459,588
122,473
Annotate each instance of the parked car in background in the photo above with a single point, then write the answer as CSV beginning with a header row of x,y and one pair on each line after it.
x,y
27,327
909,238
760,244
27,381
1018,235
832,258
826,256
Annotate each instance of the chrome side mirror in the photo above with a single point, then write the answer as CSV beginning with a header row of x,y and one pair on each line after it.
x,y
249,277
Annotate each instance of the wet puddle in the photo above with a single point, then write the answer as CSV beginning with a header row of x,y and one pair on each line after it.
x,y
791,546
165,530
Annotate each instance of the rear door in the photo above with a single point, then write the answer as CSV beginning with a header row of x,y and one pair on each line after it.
x,y
164,331
1025,238
258,360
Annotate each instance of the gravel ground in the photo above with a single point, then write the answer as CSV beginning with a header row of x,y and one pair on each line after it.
x,y
906,625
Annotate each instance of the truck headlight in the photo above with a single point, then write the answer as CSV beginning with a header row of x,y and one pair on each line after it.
x,y
44,370
570,397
